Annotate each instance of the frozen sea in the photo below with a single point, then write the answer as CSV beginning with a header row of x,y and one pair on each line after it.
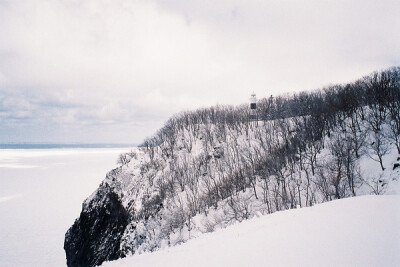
x,y
41,192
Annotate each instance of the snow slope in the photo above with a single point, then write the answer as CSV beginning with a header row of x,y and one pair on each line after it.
x,y
358,231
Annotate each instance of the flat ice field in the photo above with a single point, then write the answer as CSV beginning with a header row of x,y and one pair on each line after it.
x,y
41,192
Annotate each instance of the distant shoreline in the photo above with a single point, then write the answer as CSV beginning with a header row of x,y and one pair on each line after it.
x,y
59,146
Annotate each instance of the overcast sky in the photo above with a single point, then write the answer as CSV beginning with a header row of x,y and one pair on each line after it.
x,y
113,71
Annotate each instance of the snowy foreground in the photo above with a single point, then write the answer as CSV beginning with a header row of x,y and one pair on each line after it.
x,y
359,231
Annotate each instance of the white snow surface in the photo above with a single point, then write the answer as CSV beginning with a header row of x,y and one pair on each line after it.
x,y
41,194
358,231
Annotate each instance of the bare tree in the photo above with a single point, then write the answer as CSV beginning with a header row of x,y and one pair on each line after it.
x,y
378,147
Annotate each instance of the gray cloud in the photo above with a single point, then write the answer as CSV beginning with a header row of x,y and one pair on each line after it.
x,y
113,71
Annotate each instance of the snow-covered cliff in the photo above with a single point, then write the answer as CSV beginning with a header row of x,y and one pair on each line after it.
x,y
210,168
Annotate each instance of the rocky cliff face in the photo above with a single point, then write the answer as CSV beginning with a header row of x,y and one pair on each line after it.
x,y
96,235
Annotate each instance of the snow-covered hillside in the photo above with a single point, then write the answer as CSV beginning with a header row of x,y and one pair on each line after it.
x,y
358,231
211,168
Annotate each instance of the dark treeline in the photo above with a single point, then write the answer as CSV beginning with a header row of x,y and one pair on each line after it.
x,y
379,91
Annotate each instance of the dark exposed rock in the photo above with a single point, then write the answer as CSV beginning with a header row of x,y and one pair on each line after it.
x,y
96,235
396,165
218,152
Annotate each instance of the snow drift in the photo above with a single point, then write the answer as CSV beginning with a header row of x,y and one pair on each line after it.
x,y
359,231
